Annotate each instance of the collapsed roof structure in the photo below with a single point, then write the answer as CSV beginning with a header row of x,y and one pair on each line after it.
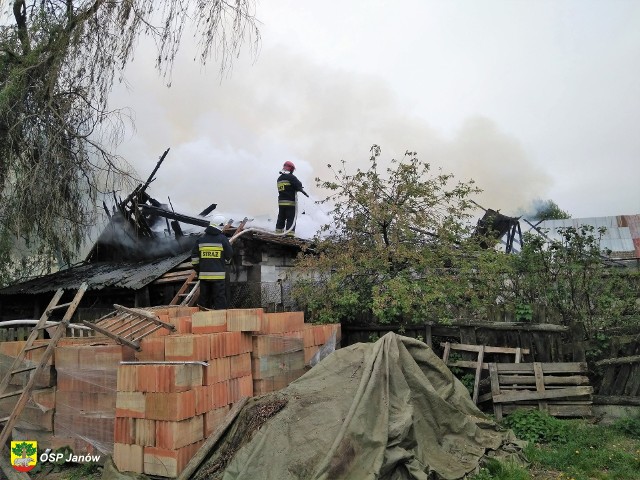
x,y
142,259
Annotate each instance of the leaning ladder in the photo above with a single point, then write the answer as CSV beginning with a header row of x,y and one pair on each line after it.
x,y
17,366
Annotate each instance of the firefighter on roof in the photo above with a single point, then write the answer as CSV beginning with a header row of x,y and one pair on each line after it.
x,y
208,258
288,186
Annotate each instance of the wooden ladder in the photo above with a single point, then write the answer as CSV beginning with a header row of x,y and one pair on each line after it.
x,y
128,326
187,291
17,367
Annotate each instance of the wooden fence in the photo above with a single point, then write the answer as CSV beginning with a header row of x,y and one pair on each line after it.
x,y
9,334
616,380
545,342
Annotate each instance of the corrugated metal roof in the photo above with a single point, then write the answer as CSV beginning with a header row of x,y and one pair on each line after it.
x,y
132,275
617,238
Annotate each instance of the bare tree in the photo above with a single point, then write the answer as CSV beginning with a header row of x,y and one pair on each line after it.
x,y
58,62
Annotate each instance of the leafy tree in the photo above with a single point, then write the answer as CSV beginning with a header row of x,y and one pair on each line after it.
x,y
58,62
549,210
570,276
399,246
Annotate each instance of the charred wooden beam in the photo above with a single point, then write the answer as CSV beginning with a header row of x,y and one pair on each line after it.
x,y
161,212
208,210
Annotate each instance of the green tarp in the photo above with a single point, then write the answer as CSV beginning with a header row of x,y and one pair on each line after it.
x,y
384,410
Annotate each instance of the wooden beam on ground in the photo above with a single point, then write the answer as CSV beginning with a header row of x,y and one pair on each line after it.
x,y
619,361
516,396
211,441
616,400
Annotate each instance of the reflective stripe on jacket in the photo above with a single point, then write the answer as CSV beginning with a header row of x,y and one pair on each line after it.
x,y
288,185
209,254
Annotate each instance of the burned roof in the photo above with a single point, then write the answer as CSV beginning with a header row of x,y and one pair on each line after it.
x,y
99,275
277,239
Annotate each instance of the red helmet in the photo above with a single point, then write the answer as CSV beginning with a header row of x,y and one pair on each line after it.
x,y
289,166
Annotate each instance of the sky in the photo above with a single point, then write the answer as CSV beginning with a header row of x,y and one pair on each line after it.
x,y
533,100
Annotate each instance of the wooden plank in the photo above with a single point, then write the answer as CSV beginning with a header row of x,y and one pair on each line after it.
x,y
120,340
149,316
468,364
211,441
615,400
175,274
476,383
485,348
619,361
548,380
541,347
519,353
568,367
633,383
621,380
553,409
539,376
607,379
495,391
468,336
428,337
447,350
176,279
189,283
546,395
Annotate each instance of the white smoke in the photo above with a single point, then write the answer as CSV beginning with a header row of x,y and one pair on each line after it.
x,y
229,137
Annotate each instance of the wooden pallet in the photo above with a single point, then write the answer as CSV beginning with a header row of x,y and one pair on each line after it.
x,y
34,368
562,389
479,364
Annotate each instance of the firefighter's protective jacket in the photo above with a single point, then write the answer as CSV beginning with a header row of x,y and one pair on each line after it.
x,y
288,185
209,254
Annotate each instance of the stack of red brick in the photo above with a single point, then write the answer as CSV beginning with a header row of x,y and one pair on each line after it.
x,y
154,411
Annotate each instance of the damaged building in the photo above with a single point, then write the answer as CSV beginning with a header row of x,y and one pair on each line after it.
x,y
142,258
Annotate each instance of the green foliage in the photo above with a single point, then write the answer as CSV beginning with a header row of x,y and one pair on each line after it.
x,y
600,347
549,210
589,451
536,426
396,248
495,470
58,62
570,277
524,313
629,426
85,471
400,249
462,374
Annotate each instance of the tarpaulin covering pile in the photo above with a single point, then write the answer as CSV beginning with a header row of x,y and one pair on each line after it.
x,y
384,410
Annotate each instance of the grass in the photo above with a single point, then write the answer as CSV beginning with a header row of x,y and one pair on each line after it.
x,y
571,450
